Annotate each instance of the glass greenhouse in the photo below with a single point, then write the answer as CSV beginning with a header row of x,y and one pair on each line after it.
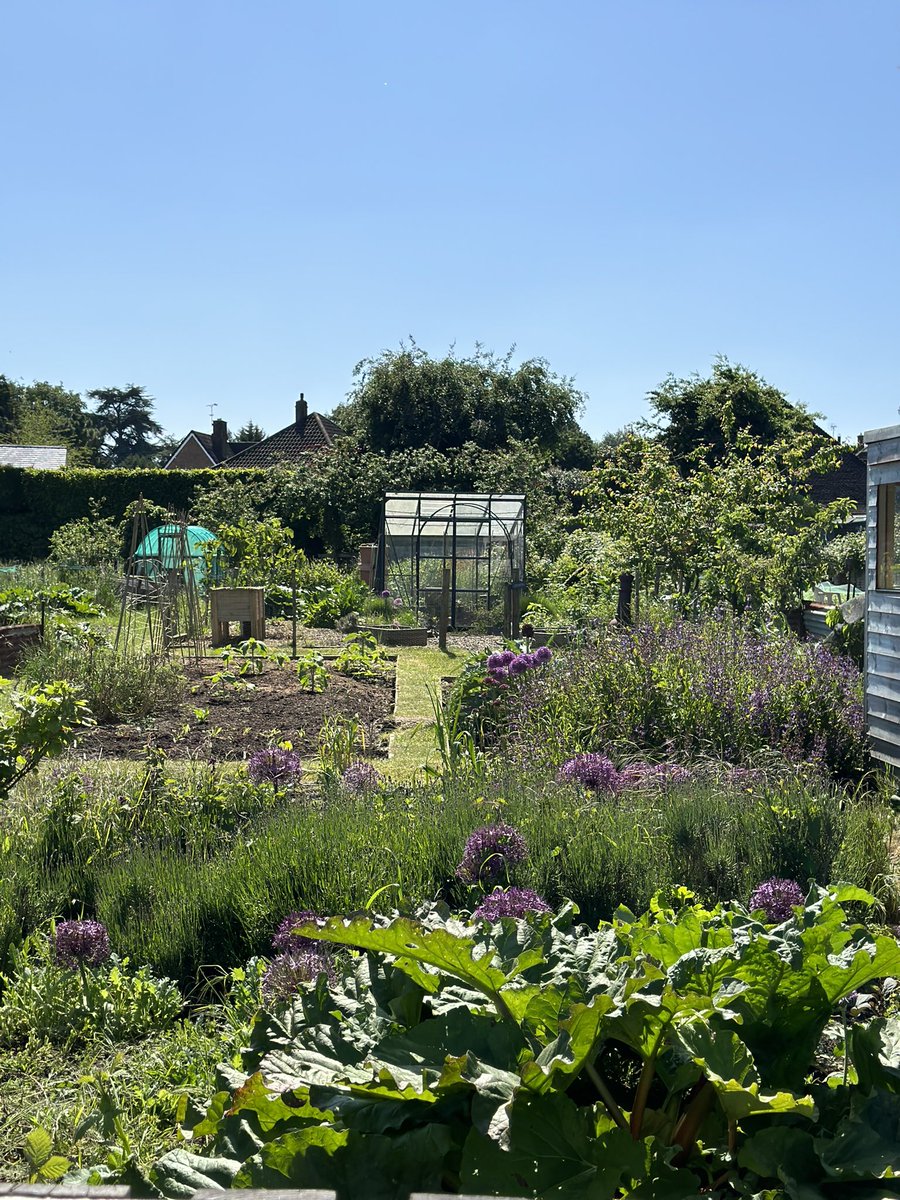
x,y
479,536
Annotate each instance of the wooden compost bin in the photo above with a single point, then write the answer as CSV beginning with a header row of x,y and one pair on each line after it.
x,y
244,605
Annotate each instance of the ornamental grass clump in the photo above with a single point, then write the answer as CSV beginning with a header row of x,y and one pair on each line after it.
x,y
593,771
777,898
654,777
281,768
81,944
509,902
490,852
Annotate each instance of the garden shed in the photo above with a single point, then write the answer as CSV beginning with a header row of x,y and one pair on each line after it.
x,y
479,536
882,660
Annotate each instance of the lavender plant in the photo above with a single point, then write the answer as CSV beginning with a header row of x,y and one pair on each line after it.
x,y
719,689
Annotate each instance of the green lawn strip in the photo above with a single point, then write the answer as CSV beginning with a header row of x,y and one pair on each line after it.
x,y
419,675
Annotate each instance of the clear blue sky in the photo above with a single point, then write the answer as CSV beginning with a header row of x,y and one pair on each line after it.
x,y
235,202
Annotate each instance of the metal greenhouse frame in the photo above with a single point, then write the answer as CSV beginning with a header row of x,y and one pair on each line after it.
x,y
479,536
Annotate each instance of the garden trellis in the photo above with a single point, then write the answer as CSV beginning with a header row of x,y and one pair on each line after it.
x,y
161,606
480,537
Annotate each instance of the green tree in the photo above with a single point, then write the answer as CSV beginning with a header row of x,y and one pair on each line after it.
x,y
47,414
403,400
250,432
124,417
744,529
704,418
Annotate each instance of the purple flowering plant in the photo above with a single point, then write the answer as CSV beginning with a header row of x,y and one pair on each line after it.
x,y
777,898
490,852
81,944
593,771
287,972
688,690
276,765
360,777
509,902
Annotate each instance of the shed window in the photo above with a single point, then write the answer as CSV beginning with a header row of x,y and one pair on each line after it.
x,y
888,573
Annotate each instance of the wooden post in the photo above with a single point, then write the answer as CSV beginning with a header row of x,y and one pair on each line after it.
x,y
294,612
445,608
626,588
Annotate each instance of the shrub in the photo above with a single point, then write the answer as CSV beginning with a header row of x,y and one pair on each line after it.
x,y
88,541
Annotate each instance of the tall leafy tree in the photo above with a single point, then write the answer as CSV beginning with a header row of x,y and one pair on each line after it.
x,y
250,432
705,418
124,417
47,414
744,529
404,399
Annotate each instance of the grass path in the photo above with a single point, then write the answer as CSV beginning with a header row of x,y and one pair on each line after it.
x,y
419,674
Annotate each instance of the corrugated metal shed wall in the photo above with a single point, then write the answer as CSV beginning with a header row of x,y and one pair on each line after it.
x,y
882,675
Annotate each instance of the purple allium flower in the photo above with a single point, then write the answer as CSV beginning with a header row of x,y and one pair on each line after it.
x,y
543,654
360,777
777,898
520,664
81,942
496,661
506,657
497,677
288,941
511,902
594,771
279,767
398,603
490,852
386,595
287,972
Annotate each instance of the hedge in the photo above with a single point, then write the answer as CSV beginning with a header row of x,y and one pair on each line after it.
x,y
35,503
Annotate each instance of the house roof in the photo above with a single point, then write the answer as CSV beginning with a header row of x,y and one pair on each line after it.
x,y
848,479
205,440
290,444
40,458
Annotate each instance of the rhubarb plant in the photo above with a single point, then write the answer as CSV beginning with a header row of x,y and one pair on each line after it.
x,y
665,1055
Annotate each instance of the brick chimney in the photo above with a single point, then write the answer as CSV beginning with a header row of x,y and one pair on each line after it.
x,y
300,413
220,440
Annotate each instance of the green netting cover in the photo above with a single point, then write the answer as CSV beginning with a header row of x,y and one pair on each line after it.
x,y
161,549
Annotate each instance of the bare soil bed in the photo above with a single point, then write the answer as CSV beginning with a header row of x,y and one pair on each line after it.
x,y
239,722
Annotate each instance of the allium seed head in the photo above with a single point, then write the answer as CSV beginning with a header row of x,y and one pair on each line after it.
x,y
84,942
511,902
490,852
360,777
273,765
288,941
287,972
777,898
594,771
